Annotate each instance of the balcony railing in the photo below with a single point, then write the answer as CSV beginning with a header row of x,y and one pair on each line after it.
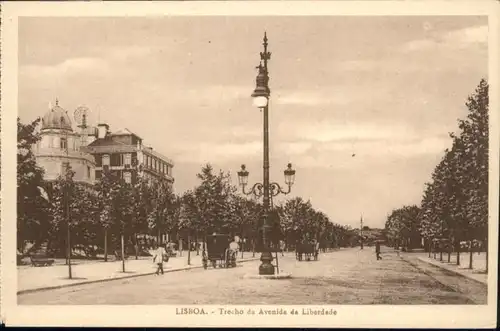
x,y
157,172
109,149
154,153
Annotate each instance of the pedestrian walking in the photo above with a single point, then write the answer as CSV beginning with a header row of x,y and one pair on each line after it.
x,y
160,255
377,250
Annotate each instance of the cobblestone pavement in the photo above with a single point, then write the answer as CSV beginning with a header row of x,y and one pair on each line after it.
x,y
348,276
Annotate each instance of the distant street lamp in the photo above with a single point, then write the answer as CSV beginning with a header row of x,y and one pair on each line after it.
x,y
266,189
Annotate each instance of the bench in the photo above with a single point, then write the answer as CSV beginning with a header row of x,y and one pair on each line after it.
x,y
41,261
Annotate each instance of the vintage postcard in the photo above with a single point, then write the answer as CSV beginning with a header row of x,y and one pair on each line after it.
x,y
250,163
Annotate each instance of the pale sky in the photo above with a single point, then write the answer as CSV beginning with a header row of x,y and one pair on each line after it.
x,y
388,89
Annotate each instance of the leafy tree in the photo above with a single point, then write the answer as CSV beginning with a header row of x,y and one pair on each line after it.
x,y
163,200
455,203
33,221
403,227
141,204
212,199
73,205
474,134
105,188
295,220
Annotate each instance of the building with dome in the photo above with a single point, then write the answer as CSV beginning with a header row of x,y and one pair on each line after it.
x,y
59,145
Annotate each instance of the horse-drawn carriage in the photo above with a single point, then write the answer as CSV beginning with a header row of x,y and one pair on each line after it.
x,y
218,252
307,250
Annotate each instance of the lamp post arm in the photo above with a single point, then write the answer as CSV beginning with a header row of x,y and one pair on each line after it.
x,y
257,190
276,189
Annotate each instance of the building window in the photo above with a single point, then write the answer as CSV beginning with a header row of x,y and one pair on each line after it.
x,y
128,159
156,164
98,160
116,160
63,143
88,172
105,160
127,176
98,174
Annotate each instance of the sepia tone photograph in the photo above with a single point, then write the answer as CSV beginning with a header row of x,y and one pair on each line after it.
x,y
193,160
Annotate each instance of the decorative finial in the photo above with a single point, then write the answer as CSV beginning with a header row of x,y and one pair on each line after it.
x,y
57,102
265,56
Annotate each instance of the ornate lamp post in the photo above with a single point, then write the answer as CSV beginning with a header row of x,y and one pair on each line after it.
x,y
266,189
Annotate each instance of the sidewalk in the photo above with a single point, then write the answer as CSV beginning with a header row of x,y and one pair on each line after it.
x,y
478,264
31,279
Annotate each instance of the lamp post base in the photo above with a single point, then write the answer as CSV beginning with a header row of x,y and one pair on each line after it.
x,y
266,268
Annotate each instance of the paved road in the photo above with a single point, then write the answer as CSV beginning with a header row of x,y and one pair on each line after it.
x,y
349,276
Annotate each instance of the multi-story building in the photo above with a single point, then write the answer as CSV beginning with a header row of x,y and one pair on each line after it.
x,y
123,151
59,146
89,153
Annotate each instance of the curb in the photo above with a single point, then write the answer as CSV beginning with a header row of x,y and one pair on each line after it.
x,y
453,271
40,289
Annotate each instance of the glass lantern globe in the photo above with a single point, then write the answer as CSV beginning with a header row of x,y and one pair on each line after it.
x,y
289,175
243,176
260,101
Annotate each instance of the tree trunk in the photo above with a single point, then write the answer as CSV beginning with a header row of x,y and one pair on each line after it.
x,y
136,247
189,249
253,247
123,253
470,254
430,248
196,244
180,246
457,245
105,245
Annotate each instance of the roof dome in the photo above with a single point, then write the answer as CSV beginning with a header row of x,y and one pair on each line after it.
x,y
56,118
